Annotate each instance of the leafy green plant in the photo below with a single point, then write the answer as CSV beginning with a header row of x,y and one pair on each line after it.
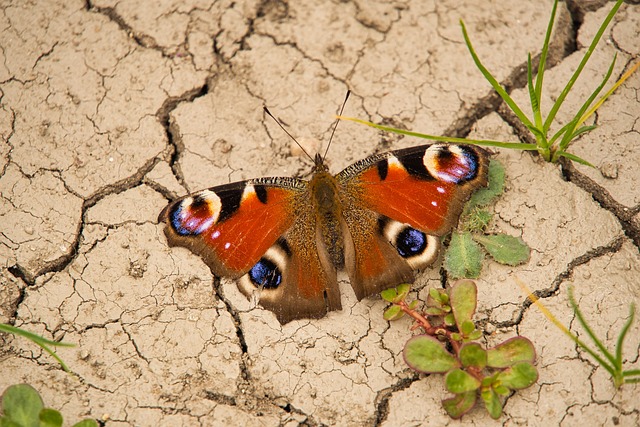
x,y
448,347
605,358
22,406
551,146
40,341
464,255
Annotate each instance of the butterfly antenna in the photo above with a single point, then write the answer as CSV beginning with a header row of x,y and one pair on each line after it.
x,y
336,125
266,110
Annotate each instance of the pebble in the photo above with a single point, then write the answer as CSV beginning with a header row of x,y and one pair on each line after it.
x,y
609,170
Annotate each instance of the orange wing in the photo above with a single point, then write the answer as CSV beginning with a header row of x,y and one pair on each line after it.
x,y
232,226
396,204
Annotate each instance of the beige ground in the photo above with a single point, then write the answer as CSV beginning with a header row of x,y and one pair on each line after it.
x,y
110,109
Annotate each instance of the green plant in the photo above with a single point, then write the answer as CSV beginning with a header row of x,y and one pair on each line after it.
x,y
550,146
40,341
448,347
464,255
22,406
612,363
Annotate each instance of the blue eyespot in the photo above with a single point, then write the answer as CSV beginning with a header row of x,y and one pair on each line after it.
x,y
265,274
411,242
177,221
191,217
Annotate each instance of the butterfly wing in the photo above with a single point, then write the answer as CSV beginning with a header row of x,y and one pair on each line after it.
x,y
263,232
407,197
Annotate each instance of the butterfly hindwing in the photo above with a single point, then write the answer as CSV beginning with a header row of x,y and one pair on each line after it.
x,y
294,279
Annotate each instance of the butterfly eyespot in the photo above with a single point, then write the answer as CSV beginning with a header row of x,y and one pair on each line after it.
x,y
417,248
451,163
194,215
265,274
411,242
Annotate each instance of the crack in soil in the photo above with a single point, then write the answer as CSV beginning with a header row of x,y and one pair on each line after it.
x,y
384,395
174,140
562,45
625,215
553,290
142,40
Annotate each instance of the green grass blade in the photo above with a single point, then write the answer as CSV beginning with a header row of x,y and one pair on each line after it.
x,y
574,158
483,142
595,93
553,319
623,333
556,106
583,129
535,101
545,50
622,79
55,356
566,140
589,331
631,372
40,341
33,337
559,133
496,86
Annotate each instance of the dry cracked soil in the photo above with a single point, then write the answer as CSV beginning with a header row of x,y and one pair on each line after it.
x,y
109,109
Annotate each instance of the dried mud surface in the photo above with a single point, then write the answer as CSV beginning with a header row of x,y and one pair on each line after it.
x,y
109,109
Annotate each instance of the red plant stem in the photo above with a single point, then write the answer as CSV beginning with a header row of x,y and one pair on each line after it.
x,y
428,328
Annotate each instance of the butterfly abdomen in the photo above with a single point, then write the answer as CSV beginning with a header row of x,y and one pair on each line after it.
x,y
328,209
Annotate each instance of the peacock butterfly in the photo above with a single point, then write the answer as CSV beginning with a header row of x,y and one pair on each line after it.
x,y
285,238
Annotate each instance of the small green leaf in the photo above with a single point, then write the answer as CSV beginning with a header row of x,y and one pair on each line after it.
x,y
467,327
459,405
464,257
6,422
472,354
389,295
489,381
501,390
463,295
458,381
477,220
403,291
474,335
438,296
413,304
434,311
449,320
50,418
492,402
86,423
495,187
505,249
21,404
393,313
426,354
520,375
510,352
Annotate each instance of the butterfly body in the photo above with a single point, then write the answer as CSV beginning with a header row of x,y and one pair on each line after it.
x,y
286,238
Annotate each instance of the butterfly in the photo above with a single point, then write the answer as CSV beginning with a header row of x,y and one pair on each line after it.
x,y
284,238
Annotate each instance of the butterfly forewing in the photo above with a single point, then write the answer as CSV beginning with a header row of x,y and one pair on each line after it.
x,y
425,186
232,226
